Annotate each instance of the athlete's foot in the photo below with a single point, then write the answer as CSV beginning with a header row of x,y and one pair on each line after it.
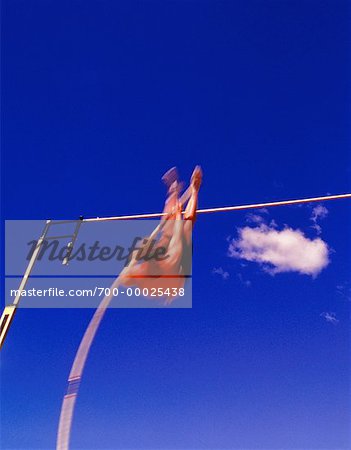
x,y
196,178
170,177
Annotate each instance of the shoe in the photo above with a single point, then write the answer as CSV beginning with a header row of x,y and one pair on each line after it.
x,y
170,177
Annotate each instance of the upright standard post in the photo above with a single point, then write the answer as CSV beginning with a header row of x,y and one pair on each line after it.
x,y
10,310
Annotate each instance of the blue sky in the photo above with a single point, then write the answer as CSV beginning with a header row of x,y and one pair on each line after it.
x,y
99,98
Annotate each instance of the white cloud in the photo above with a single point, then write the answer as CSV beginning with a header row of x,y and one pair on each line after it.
x,y
220,271
344,290
246,283
277,251
330,317
318,212
263,211
258,219
254,218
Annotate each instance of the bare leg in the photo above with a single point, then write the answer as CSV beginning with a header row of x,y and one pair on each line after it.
x,y
170,209
190,210
175,247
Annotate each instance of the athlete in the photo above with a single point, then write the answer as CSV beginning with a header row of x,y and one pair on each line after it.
x,y
173,235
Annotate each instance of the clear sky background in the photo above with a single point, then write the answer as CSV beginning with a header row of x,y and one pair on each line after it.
x,y
99,98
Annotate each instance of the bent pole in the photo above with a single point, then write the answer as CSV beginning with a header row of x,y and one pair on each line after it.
x,y
69,400
226,208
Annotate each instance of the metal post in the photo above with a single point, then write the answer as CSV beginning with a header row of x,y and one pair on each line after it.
x,y
71,244
9,311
